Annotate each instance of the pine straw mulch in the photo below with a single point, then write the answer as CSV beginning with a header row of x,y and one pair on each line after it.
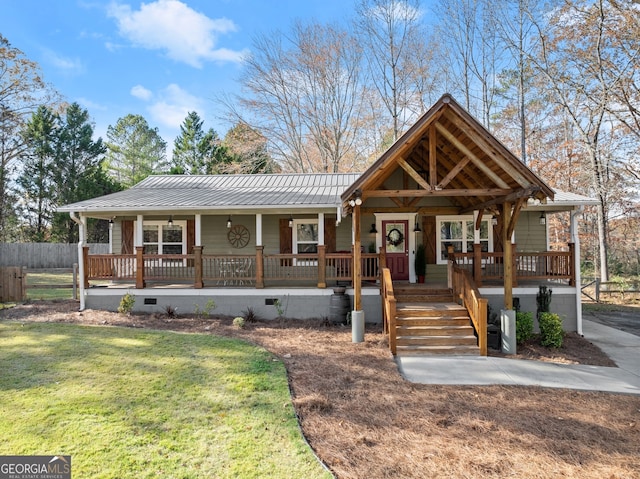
x,y
364,421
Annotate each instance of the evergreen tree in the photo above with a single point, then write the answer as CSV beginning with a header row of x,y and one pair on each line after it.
x,y
35,181
78,173
135,150
196,152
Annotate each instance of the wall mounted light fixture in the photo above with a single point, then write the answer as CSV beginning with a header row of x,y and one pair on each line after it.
x,y
170,222
543,219
229,222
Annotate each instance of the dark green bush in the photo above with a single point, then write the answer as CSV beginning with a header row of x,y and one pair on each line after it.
x,y
551,333
524,326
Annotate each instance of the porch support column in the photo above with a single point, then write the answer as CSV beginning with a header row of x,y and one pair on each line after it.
x,y
259,253
507,261
357,262
259,229
198,230
477,250
111,236
139,267
138,237
320,229
575,237
197,252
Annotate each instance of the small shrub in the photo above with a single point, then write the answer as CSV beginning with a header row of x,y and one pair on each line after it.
x,y
250,316
205,312
171,311
278,304
524,326
238,322
126,304
551,333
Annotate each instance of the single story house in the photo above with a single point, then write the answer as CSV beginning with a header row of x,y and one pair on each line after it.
x,y
280,243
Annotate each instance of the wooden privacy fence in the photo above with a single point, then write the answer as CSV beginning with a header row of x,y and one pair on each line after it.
x,y
13,284
44,255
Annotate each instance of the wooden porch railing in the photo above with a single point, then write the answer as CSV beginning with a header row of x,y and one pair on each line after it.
x,y
388,308
548,265
465,289
225,270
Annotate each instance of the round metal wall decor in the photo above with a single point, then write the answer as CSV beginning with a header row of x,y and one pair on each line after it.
x,y
238,236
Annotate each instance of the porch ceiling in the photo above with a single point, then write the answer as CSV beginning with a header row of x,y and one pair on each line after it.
x,y
448,153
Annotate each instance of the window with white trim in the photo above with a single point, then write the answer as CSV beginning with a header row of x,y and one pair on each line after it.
x,y
158,237
305,237
458,231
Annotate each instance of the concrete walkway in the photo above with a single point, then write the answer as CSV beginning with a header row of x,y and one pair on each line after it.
x,y
623,348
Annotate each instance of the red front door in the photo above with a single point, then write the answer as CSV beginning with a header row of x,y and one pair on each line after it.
x,y
395,235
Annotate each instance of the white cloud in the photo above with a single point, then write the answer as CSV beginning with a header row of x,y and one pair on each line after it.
x,y
68,65
172,105
141,92
90,105
186,35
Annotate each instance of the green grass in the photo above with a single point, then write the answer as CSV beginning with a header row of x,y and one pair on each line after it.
x,y
127,403
33,279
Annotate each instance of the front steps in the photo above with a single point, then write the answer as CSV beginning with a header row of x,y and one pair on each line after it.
x,y
428,322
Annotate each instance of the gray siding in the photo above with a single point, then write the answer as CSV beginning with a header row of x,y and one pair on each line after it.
x,y
530,234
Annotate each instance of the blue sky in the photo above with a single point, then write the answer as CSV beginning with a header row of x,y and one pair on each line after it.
x,y
160,59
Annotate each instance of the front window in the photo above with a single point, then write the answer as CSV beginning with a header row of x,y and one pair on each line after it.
x,y
459,233
158,237
305,239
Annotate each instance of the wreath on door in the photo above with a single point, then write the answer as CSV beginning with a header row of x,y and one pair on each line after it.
x,y
395,237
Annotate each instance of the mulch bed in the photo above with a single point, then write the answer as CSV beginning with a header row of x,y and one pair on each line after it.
x,y
364,420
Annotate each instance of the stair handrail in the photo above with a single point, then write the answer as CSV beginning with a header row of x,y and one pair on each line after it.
x,y
466,291
389,308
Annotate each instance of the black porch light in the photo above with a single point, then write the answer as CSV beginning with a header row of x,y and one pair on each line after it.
x,y
543,219
373,229
229,222
290,221
416,228
170,222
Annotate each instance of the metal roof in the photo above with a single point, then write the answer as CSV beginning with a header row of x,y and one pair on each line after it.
x,y
223,192
562,201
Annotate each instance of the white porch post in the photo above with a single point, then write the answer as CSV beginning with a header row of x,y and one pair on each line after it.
x,y
111,236
575,237
258,229
320,228
138,240
198,229
476,231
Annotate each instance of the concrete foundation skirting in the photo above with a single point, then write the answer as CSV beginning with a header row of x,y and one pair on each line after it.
x,y
266,303
563,303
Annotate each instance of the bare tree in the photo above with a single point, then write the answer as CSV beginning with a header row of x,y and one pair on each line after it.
x,y
390,32
21,91
575,54
303,93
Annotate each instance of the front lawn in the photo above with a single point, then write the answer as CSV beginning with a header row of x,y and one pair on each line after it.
x,y
126,403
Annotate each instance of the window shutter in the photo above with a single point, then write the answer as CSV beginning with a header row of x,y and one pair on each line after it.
x,y
330,235
286,240
127,237
191,235
429,238
286,244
